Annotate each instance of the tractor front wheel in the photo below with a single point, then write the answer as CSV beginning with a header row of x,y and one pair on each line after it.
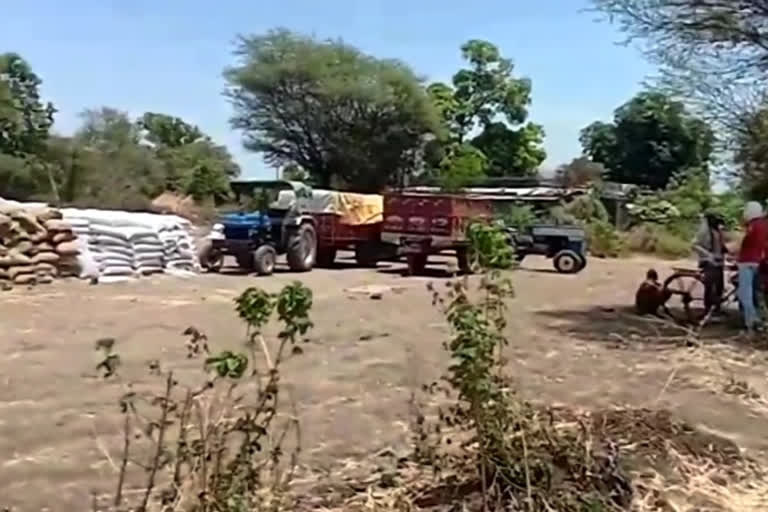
x,y
264,259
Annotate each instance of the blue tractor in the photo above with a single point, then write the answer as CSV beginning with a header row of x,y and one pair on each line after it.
x,y
265,224
565,245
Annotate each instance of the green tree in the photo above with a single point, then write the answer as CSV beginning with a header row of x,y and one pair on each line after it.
x,y
463,165
486,96
168,131
651,139
713,53
194,164
751,155
201,169
512,152
24,119
293,172
341,115
579,172
121,171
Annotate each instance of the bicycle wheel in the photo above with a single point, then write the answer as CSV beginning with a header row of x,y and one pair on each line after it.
x,y
685,303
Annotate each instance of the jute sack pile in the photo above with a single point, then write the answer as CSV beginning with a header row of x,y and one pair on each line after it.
x,y
35,245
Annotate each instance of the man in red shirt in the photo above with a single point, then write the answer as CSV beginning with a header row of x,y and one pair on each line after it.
x,y
751,254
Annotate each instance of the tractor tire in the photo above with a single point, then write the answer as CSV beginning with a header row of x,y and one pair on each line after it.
x,y
325,257
582,262
366,255
567,262
264,259
301,250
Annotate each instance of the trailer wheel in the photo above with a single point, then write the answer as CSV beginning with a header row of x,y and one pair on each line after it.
x,y
302,248
366,255
567,262
326,257
264,259
416,264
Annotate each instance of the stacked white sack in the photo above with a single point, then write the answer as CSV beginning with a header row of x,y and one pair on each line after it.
x,y
126,243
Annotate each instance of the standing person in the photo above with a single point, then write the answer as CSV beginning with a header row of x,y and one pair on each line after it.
x,y
710,247
751,254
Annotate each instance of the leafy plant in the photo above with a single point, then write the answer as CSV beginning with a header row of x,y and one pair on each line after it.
x,y
488,445
489,247
217,446
603,240
516,216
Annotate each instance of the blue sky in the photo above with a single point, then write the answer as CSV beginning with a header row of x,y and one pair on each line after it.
x,y
167,56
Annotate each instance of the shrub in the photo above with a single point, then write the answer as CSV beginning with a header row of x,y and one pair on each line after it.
x,y
657,240
517,216
217,445
587,208
489,247
603,240
489,448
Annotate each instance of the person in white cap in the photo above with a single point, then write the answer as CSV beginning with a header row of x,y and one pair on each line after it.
x,y
751,254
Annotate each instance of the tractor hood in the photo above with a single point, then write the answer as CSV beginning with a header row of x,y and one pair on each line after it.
x,y
253,219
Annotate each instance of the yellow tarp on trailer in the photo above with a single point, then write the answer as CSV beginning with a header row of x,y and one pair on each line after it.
x,y
354,209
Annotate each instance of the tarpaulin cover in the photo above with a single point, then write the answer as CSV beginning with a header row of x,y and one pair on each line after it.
x,y
354,209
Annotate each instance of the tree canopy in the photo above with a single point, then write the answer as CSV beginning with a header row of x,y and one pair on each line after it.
x,y
345,117
714,53
24,119
485,96
579,172
650,139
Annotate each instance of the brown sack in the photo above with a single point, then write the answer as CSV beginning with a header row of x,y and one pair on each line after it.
x,y
44,246
24,246
57,225
28,221
14,258
40,236
68,248
45,257
25,279
45,214
13,272
43,278
46,268
63,236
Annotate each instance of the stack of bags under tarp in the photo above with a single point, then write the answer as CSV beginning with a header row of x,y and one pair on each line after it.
x,y
35,245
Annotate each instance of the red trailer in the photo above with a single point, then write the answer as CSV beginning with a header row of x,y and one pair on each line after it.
x,y
333,235
422,224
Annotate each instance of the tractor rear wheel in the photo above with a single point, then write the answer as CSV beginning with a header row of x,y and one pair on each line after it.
x,y
302,248
567,262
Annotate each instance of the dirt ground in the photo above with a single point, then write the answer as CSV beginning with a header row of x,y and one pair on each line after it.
x,y
573,341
